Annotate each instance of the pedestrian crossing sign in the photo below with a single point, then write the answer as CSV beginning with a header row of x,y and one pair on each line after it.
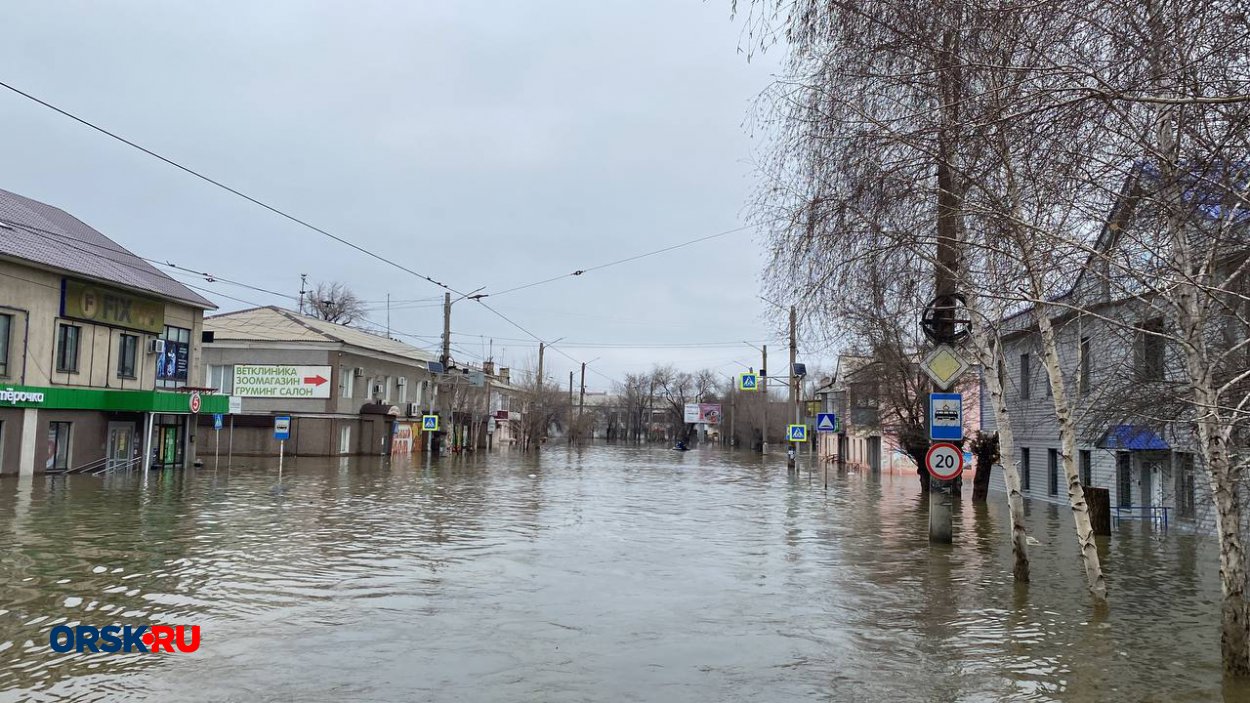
x,y
429,423
748,381
826,422
798,433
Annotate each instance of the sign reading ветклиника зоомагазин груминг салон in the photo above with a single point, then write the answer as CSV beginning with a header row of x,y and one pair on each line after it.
x,y
281,381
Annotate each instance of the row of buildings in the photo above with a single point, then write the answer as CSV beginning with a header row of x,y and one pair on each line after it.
x,y
105,360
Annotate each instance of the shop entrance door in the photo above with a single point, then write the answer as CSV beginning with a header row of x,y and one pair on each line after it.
x,y
121,445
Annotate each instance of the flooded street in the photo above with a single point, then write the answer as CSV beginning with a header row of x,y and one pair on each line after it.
x,y
606,574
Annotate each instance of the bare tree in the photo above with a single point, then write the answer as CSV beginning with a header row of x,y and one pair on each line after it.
x,y
333,301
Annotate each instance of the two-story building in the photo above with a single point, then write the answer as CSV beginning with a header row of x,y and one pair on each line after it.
x,y
347,391
1124,378
99,351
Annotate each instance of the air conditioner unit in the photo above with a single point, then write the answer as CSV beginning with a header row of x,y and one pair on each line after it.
x,y
157,347
414,409
358,372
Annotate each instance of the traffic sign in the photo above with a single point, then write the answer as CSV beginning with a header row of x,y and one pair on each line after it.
x,y
429,423
826,422
944,461
282,427
946,416
194,402
216,421
797,433
748,381
944,366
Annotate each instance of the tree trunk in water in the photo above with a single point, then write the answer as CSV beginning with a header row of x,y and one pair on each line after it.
x,y
1067,443
990,356
981,481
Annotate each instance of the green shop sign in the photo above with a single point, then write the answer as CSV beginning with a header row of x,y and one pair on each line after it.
x,y
108,306
115,401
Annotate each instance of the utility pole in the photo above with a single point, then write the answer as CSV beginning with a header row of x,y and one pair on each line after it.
x,y
764,382
388,315
581,403
570,428
733,408
446,358
538,402
794,377
941,508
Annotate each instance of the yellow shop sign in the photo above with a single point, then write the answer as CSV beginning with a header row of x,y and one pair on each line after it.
x,y
108,306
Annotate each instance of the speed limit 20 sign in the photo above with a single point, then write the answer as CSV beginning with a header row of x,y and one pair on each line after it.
x,y
944,461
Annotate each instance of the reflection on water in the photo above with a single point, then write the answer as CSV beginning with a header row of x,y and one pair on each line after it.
x,y
615,574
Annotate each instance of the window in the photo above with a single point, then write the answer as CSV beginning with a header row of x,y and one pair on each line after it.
x,y
1083,370
6,326
347,381
388,388
58,445
1052,469
403,391
173,365
1025,479
1150,348
127,354
1087,468
1024,376
1124,479
67,348
1185,506
345,439
221,378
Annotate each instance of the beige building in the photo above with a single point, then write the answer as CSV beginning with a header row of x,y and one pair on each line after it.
x,y
98,350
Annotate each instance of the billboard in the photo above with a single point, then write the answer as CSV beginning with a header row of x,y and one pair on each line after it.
x,y
281,381
172,364
702,412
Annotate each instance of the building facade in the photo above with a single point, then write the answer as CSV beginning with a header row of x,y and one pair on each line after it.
x,y
99,350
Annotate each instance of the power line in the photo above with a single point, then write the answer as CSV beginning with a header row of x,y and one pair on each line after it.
x,y
627,259
229,189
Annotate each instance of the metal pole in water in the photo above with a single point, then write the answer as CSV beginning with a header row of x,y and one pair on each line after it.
x,y
281,448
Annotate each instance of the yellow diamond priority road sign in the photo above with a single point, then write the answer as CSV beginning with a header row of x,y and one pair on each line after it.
x,y
944,366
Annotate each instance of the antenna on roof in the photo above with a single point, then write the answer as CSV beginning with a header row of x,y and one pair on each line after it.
x,y
303,284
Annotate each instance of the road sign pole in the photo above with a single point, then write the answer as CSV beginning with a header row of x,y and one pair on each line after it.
x,y
281,450
216,447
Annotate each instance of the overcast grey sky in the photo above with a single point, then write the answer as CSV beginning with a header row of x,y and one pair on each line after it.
x,y
484,143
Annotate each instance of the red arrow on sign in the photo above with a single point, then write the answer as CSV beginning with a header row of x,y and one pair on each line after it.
x,y
315,380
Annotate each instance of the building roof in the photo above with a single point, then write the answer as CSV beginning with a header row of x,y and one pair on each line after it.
x,y
274,324
39,233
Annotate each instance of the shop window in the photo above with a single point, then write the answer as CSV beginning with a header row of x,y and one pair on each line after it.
x,y
127,355
58,445
6,327
67,338
345,439
1124,479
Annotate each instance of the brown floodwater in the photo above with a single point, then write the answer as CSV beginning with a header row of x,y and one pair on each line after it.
x,y
602,574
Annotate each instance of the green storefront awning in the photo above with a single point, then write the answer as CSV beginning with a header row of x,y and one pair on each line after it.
x,y
112,401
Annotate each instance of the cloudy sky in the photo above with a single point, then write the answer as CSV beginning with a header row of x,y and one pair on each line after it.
x,y
486,144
